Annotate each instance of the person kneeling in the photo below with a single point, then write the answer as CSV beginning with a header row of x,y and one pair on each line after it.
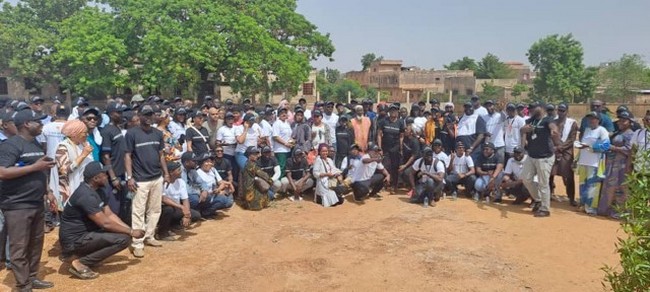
x,y
430,173
512,182
176,206
90,232
215,193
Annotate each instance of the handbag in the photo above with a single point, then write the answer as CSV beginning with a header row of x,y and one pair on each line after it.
x,y
332,182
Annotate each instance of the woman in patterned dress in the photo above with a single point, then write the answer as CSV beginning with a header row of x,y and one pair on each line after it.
x,y
614,192
72,156
252,198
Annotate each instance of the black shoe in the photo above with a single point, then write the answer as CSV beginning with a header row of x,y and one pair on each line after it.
x,y
536,206
40,284
375,196
573,203
542,214
497,200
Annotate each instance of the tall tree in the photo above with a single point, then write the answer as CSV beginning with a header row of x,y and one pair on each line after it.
x,y
367,59
466,63
623,76
518,89
561,75
490,67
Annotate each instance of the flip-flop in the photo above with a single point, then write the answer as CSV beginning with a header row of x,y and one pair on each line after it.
x,y
84,274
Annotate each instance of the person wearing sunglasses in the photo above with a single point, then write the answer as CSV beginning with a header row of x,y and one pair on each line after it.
x,y
91,118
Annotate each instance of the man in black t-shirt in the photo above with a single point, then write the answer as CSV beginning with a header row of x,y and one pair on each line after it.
x,y
538,136
89,229
23,171
222,165
390,137
344,139
298,177
410,152
113,151
197,136
269,164
489,173
145,169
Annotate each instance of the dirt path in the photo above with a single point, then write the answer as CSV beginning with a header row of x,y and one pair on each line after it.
x,y
386,245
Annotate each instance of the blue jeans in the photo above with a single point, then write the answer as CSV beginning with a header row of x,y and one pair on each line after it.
x,y
482,181
211,204
427,189
241,159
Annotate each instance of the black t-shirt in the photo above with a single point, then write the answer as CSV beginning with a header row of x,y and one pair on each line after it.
x,y
489,163
298,169
267,164
27,191
344,139
75,221
411,147
145,150
223,167
113,143
390,134
539,143
199,146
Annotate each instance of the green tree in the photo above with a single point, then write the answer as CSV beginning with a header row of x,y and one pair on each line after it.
x,y
490,67
332,75
623,76
518,89
491,91
466,63
561,74
367,59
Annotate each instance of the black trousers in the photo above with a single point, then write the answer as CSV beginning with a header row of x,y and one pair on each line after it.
x,y
371,186
569,181
171,216
3,242
25,232
392,163
94,247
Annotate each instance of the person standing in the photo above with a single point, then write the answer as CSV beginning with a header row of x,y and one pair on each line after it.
x,y
113,152
471,131
513,126
196,136
361,127
593,144
23,171
494,128
227,138
538,136
568,129
391,136
282,142
344,139
332,120
145,168
54,136
614,191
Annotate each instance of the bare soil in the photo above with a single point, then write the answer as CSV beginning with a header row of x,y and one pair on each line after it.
x,y
382,245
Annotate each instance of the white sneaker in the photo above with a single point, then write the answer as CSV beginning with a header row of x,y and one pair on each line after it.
x,y
291,198
300,198
475,197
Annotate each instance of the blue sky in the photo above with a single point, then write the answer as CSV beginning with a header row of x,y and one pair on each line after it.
x,y
432,33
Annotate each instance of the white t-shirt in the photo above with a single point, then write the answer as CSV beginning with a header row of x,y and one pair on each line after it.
x,y
355,167
481,111
283,130
208,180
641,139
254,133
587,156
318,132
418,124
467,125
494,124
227,135
267,130
364,171
176,129
515,167
176,191
331,121
462,164
307,114
421,166
442,156
53,136
513,134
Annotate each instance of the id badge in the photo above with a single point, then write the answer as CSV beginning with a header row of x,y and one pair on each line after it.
x,y
534,136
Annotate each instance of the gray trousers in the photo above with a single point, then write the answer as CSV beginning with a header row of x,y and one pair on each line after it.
x,y
540,191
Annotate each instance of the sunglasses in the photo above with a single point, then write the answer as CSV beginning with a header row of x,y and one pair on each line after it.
x,y
561,111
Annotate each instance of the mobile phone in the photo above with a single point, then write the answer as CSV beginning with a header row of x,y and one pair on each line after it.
x,y
48,159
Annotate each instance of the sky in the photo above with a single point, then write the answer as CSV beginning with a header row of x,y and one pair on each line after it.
x,y
432,33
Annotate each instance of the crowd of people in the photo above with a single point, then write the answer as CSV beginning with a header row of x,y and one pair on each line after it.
x,y
135,173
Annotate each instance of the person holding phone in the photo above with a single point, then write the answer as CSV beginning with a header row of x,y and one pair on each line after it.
x,y
23,170
72,156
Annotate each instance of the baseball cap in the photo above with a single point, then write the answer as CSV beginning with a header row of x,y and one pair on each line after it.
x,y
475,97
550,107
252,150
328,103
355,146
94,168
437,142
511,106
625,115
146,110
62,110
488,145
173,165
317,113
187,156
198,113
434,101
297,109
8,117
137,98
229,115
521,106
489,101
563,106
177,98
269,112
208,97
374,148
180,111
81,101
27,115
427,151
91,110
249,118
35,99
298,151
393,107
518,149
593,115
114,107
266,149
410,120
467,104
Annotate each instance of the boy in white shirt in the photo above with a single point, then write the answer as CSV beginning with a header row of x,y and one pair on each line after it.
x,y
512,182
461,171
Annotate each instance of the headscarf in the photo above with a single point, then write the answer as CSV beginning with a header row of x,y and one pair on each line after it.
x,y
73,128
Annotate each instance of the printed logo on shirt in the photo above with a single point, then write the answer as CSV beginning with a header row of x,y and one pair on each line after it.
x,y
147,144
32,154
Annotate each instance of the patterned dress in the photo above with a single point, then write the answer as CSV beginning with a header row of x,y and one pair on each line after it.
x,y
614,192
251,197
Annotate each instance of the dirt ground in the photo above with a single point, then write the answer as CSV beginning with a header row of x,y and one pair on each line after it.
x,y
382,245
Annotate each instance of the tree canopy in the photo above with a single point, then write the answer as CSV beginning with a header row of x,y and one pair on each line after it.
x,y
622,77
256,46
466,63
561,74
490,67
367,59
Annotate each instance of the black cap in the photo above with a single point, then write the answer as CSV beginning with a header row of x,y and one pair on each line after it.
x,y
622,108
367,101
518,149
355,146
198,113
475,97
521,106
415,106
91,110
246,101
203,157
511,106
180,111
187,156
62,111
229,115
177,98
298,151
460,144
208,97
269,112
249,118
434,101
427,113
94,168
427,151
488,145
489,101
467,104
625,115
593,115
393,107
8,117
374,147
81,101
410,120
252,150
146,110
115,107
550,107
173,165
328,103
563,106
437,142
35,99
229,101
297,109
343,117
266,149
317,113
302,99
533,105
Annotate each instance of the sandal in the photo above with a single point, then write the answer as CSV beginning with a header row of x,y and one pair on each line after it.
x,y
84,274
